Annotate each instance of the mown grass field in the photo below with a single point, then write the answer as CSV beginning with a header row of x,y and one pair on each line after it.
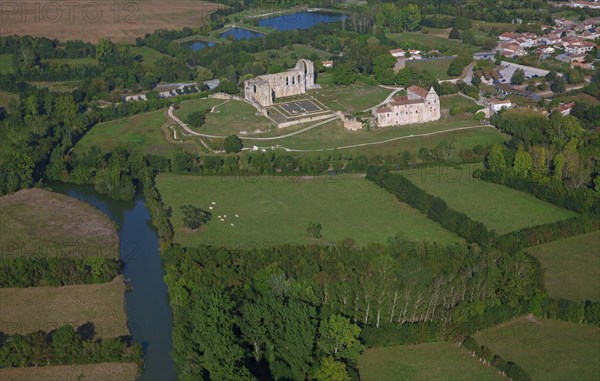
x,y
110,371
230,117
283,55
39,222
498,207
430,361
350,98
6,63
148,55
60,86
571,266
438,67
73,62
278,210
145,132
46,308
547,350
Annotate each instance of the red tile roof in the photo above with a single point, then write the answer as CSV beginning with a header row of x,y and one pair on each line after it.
x,y
418,90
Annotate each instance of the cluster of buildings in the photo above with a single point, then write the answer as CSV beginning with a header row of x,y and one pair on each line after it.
x,y
573,39
411,54
417,106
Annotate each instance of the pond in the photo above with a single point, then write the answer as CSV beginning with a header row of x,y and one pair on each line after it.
x,y
148,312
197,45
241,34
300,20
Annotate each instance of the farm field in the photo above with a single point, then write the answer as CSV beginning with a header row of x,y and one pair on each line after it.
x,y
278,209
439,67
132,19
498,207
547,350
45,308
37,221
430,361
111,371
571,266
418,40
280,56
144,132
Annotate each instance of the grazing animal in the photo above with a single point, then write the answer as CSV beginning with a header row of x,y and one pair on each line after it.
x,y
232,225
222,220
237,216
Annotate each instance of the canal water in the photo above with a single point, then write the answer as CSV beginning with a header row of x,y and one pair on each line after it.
x,y
148,312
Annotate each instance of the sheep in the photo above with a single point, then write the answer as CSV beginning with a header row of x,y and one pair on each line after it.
x,y
233,225
222,220
210,207
237,216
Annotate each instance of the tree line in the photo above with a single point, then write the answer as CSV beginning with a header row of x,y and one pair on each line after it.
x,y
66,346
507,368
41,271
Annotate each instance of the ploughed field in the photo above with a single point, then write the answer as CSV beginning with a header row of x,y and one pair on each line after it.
x,y
277,210
119,20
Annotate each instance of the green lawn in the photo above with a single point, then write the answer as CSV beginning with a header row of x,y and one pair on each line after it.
x,y
333,134
350,98
6,63
280,56
498,207
87,61
230,117
143,132
277,210
572,266
431,361
149,56
438,67
547,350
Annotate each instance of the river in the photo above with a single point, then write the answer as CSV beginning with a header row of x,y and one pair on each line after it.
x,y
149,315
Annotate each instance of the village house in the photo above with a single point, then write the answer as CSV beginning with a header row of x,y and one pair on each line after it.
x,y
496,105
327,63
418,106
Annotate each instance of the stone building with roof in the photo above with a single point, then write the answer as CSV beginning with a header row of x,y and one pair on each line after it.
x,y
417,106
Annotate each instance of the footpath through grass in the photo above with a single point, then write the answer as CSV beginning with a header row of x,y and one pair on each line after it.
x,y
571,266
498,207
547,350
275,210
430,361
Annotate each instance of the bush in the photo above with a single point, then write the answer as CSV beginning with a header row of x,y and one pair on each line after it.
x,y
194,217
233,144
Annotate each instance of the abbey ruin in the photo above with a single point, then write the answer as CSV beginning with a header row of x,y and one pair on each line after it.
x,y
418,106
263,90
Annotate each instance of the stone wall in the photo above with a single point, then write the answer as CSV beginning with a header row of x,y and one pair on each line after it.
x,y
265,89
